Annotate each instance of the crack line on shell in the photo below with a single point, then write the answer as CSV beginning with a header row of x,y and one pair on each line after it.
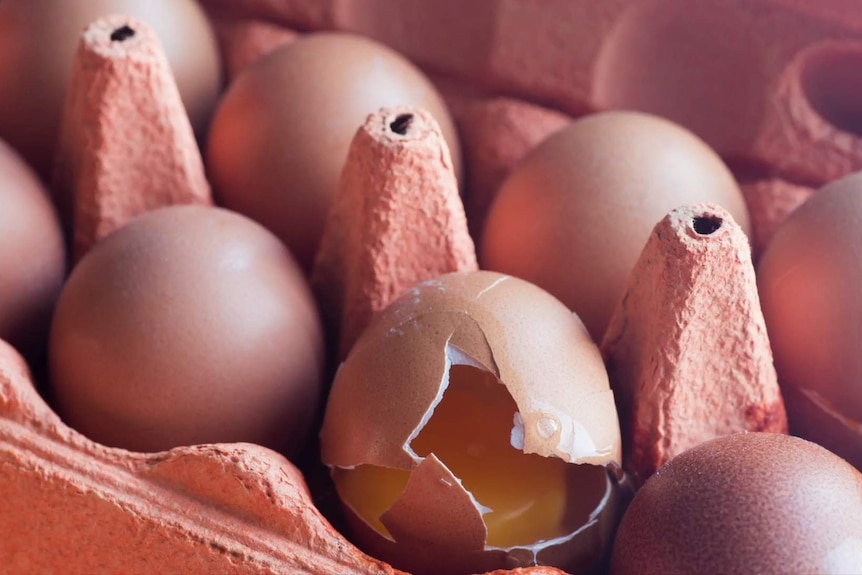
x,y
493,285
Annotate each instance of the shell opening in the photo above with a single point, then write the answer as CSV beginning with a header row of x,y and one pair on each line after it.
x,y
444,385
525,500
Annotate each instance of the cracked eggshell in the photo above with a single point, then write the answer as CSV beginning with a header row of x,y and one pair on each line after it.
x,y
536,347
386,391
431,480
448,535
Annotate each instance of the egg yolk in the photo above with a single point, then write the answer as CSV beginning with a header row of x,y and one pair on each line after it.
x,y
469,432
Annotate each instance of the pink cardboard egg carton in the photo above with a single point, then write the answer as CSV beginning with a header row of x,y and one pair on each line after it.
x,y
767,83
74,506
770,84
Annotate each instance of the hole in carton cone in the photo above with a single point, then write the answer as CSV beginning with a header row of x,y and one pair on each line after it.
x,y
401,124
832,82
706,225
122,34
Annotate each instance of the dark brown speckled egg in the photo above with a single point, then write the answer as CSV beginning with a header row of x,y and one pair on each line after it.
x,y
746,503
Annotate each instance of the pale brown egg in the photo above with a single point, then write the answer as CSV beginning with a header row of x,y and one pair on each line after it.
x,y
281,133
188,325
32,255
38,39
574,215
469,429
810,284
741,504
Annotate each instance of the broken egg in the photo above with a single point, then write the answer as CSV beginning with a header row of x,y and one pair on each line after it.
x,y
472,428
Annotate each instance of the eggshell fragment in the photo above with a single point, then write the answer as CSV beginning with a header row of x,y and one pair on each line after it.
x,y
810,281
745,503
583,551
126,143
430,480
397,220
686,349
398,371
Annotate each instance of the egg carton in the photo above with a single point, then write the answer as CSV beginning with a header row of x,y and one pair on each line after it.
x,y
762,82
769,84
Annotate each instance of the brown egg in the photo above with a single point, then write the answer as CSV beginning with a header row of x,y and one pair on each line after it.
x,y
32,255
38,39
281,134
746,503
188,325
469,429
810,284
574,215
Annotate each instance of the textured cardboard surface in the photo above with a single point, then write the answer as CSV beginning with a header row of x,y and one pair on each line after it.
x,y
127,145
753,78
764,82
397,220
686,348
